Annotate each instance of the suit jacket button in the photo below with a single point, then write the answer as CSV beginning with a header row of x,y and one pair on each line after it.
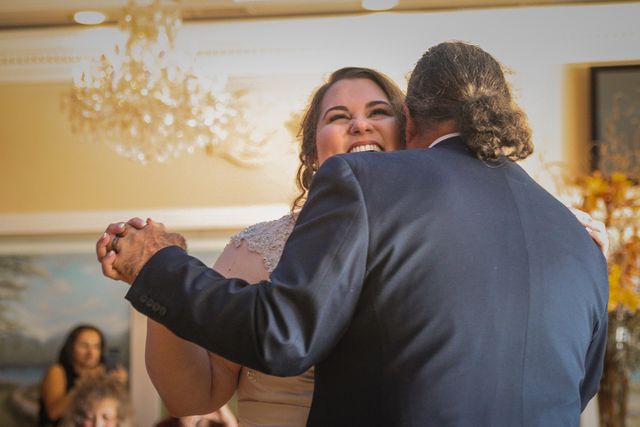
x,y
150,303
163,311
156,306
143,298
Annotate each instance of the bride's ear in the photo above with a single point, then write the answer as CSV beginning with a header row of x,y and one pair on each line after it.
x,y
410,127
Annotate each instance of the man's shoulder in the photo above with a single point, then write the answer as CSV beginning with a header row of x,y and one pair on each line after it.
x,y
369,161
373,156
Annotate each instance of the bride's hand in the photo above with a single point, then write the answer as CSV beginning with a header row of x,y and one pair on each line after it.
x,y
596,229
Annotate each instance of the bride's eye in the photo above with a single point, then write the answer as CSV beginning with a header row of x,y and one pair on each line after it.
x,y
336,117
380,112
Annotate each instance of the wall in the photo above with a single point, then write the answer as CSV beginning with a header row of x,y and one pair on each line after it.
x,y
45,169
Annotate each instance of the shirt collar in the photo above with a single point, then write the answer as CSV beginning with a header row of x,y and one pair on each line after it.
x,y
443,137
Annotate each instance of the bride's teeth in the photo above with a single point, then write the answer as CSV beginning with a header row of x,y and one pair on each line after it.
x,y
367,147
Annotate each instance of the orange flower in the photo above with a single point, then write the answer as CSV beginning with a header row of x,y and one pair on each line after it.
x,y
622,216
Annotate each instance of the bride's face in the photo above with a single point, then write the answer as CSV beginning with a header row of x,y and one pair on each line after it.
x,y
355,115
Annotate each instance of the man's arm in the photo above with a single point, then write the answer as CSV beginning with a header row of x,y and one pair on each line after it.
x,y
282,326
189,379
594,361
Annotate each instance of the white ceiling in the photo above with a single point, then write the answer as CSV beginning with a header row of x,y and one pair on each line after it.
x,y
45,13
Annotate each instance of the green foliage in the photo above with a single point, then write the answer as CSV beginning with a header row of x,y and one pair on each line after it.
x,y
13,270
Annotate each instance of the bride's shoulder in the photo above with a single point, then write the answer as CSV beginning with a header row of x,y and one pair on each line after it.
x,y
266,239
265,231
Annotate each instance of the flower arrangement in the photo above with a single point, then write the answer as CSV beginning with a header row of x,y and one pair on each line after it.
x,y
615,200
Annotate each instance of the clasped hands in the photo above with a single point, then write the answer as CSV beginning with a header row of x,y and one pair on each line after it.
x,y
125,248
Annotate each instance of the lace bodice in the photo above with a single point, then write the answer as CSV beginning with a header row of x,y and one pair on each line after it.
x,y
265,400
267,239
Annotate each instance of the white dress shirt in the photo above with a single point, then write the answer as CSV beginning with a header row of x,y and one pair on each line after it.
x,y
443,137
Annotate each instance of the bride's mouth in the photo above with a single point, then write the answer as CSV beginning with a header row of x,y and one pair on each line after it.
x,y
358,148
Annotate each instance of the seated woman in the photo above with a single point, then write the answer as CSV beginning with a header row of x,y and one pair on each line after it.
x,y
81,357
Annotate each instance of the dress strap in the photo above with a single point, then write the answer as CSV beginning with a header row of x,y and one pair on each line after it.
x,y
267,239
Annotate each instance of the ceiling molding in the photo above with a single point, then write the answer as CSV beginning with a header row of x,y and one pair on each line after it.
x,y
182,219
266,47
35,56
55,13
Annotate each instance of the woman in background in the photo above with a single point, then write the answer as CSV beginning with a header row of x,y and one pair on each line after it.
x,y
81,357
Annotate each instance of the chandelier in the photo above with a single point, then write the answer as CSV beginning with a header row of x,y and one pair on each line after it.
x,y
145,100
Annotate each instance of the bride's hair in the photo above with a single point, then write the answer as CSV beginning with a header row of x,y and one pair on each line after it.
x,y
461,82
307,133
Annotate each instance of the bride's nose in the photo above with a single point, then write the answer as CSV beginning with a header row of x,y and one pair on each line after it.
x,y
360,125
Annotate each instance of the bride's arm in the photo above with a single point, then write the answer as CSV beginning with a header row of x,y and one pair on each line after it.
x,y
189,379
596,229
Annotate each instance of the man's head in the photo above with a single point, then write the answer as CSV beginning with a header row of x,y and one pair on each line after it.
x,y
459,87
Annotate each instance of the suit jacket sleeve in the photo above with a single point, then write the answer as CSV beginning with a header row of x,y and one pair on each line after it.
x,y
594,361
285,325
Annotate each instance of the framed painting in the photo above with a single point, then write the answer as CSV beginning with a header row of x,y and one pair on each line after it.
x,y
615,119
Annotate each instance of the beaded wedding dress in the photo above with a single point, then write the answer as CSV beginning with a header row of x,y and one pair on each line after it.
x,y
265,400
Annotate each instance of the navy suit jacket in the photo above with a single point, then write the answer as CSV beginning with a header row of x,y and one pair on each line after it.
x,y
428,288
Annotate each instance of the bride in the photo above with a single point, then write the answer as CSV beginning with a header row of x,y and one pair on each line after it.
x,y
358,109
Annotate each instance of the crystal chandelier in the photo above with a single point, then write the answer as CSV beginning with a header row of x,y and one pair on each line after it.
x,y
145,99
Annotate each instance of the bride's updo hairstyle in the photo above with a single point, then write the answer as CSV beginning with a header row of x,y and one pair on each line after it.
x,y
307,134
461,82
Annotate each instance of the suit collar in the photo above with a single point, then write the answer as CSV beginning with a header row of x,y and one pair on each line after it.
x,y
458,143
452,142
444,138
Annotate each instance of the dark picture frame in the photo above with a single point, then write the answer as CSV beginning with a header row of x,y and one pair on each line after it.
x,y
615,119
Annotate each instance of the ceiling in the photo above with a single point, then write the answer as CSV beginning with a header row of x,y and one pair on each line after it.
x,y
16,14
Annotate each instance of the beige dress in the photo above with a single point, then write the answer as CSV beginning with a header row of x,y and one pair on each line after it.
x,y
265,400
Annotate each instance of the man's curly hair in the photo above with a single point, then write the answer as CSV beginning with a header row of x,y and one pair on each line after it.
x,y
461,82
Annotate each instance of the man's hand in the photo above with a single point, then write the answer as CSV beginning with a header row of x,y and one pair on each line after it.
x,y
125,248
104,246
136,247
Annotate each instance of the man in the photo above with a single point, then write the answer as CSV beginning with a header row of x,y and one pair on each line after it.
x,y
432,287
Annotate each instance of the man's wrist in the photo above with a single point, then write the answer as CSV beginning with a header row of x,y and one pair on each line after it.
x,y
160,254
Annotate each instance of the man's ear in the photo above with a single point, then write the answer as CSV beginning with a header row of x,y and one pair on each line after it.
x,y
410,127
